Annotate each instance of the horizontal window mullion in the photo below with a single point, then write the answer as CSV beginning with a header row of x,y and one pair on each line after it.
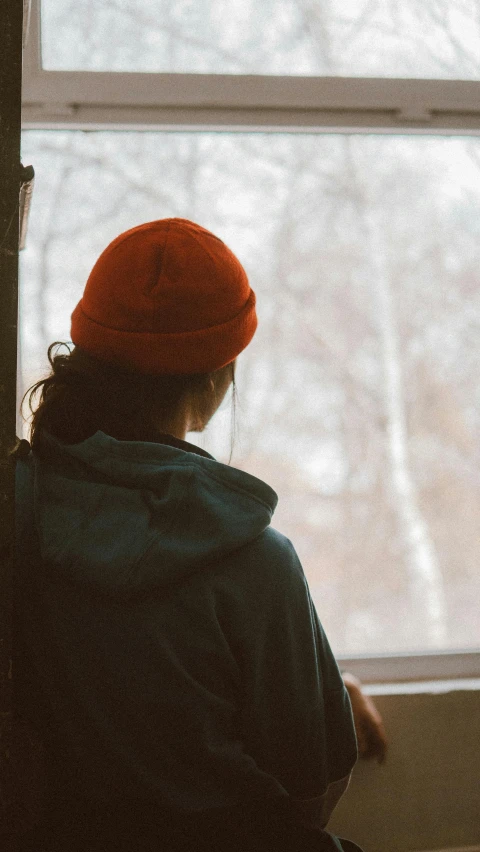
x,y
279,103
414,98
85,116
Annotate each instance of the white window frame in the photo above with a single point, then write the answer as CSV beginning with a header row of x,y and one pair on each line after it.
x,y
127,101
117,100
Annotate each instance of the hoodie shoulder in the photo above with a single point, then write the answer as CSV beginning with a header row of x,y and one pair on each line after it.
x,y
266,568
277,554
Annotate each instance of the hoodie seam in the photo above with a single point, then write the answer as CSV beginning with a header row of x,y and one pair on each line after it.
x,y
167,528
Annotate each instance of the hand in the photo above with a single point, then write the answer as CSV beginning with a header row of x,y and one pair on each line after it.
x,y
371,737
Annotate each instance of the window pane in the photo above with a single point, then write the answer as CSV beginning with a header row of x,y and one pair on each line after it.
x,y
379,38
360,394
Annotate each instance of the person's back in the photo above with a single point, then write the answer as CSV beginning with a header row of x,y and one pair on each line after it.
x,y
180,678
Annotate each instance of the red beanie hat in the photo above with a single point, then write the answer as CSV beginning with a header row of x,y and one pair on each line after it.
x,y
166,297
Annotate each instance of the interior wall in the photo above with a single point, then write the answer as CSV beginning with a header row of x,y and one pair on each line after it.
x,y
427,794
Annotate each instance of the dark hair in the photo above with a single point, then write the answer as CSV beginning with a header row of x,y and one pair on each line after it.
x,y
83,395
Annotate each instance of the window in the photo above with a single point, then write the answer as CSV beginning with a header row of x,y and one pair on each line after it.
x,y
359,397
294,37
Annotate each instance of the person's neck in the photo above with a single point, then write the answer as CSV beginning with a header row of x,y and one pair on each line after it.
x,y
155,434
177,428
149,433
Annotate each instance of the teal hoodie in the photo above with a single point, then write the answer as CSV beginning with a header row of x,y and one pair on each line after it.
x,y
168,646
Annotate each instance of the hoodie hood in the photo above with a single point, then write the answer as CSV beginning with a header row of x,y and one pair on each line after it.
x,y
131,515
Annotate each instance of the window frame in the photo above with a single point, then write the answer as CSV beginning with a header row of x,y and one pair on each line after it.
x,y
86,100
118,100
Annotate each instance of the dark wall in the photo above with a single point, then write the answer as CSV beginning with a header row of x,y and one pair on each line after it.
x,y
10,116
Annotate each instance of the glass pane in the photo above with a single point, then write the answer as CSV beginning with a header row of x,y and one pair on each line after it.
x,y
359,398
379,38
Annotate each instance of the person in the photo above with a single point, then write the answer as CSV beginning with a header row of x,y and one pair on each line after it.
x,y
168,650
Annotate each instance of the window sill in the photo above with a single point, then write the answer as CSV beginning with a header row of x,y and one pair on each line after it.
x,y
431,687
412,668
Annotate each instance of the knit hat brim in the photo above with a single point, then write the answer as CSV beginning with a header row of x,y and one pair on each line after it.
x,y
201,351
